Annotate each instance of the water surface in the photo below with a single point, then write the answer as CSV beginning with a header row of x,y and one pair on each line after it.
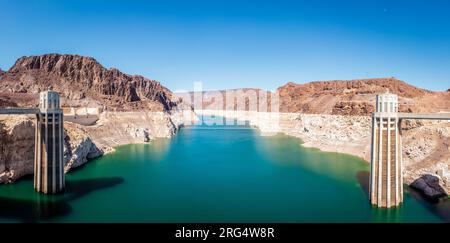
x,y
212,175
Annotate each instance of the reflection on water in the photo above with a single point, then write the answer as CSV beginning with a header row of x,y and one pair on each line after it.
x,y
380,214
160,147
322,163
363,178
440,209
43,207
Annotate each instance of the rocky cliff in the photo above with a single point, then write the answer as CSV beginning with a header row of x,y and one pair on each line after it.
x,y
357,97
17,147
426,159
78,146
83,81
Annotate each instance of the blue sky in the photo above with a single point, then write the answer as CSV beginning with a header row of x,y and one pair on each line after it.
x,y
232,44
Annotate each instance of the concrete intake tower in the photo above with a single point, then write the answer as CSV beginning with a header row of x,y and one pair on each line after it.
x,y
386,171
386,181
49,145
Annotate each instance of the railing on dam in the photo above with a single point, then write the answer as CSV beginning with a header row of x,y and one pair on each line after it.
x,y
415,116
19,111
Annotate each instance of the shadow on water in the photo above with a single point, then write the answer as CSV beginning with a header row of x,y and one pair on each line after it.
x,y
440,208
44,207
378,214
363,180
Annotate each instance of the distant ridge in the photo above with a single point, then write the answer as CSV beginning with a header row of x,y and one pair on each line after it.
x,y
343,97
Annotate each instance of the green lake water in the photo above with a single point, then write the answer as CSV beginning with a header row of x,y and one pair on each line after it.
x,y
216,174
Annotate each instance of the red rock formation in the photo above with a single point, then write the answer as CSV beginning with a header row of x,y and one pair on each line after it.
x,y
357,97
352,108
7,103
354,97
79,78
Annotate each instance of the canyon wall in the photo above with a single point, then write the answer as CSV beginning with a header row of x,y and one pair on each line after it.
x,y
17,147
83,143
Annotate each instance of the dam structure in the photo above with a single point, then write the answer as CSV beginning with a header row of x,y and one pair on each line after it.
x,y
49,142
386,170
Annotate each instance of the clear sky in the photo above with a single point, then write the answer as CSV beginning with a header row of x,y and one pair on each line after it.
x,y
232,44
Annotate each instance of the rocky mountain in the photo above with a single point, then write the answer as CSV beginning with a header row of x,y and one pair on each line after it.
x,y
351,97
339,97
82,81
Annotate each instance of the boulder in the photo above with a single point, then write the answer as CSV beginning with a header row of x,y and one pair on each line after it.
x,y
429,185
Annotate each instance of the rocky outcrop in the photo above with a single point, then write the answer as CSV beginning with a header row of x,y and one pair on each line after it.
x,y
430,186
16,148
426,151
78,147
4,102
349,108
83,78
